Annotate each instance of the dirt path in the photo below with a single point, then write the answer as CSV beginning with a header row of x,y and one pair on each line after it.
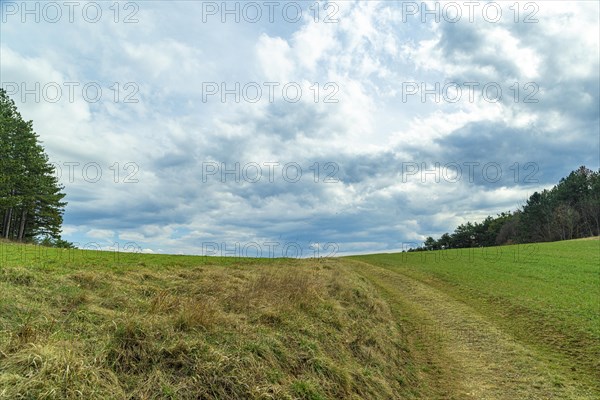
x,y
476,359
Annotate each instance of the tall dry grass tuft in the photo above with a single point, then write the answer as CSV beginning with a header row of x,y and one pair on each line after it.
x,y
56,371
130,349
17,276
24,334
279,289
163,302
196,315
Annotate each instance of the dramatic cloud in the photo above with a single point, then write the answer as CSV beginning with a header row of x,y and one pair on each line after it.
x,y
286,127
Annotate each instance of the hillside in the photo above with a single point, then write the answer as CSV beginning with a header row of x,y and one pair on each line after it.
x,y
77,324
505,322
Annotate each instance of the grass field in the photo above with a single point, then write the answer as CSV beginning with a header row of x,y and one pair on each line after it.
x,y
89,325
510,322
545,297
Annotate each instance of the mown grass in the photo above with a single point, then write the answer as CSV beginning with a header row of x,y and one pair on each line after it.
x,y
546,294
77,324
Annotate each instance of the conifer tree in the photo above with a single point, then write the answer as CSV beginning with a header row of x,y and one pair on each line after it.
x,y
31,199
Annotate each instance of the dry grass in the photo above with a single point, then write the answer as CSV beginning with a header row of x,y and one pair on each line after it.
x,y
197,329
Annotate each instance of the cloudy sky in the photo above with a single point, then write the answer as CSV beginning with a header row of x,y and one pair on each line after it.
x,y
241,128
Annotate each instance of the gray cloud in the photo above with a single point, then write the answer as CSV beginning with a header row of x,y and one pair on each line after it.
x,y
367,139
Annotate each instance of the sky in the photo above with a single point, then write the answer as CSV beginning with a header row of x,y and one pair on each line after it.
x,y
300,129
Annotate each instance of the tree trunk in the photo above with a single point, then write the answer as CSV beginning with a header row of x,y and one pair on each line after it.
x,y
7,220
22,227
2,230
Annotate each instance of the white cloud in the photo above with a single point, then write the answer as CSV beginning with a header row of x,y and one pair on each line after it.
x,y
274,57
171,132
100,234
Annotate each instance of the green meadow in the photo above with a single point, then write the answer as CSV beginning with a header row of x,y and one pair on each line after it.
x,y
503,322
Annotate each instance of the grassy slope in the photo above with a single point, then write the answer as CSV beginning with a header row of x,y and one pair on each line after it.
x,y
546,295
77,324
89,325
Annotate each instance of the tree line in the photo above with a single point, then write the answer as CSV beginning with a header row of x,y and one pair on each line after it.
x,y
570,210
31,199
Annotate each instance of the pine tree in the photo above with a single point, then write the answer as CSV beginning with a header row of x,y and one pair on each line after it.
x,y
31,203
